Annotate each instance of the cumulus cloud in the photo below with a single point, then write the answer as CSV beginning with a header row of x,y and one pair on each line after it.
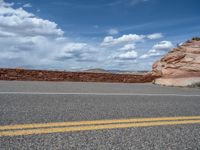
x,y
21,22
163,45
70,50
127,52
27,40
128,47
158,49
28,5
155,36
113,31
110,41
2,3
127,55
151,54
78,51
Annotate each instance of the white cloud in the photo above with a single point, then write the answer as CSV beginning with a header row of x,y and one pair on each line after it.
x,y
28,5
74,47
128,47
27,40
21,22
163,45
158,49
113,31
151,54
6,34
72,50
8,11
2,3
134,2
130,55
110,41
155,36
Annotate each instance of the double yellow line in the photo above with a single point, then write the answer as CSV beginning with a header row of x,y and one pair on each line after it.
x,y
59,127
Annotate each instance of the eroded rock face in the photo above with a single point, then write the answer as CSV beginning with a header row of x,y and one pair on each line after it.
x,y
180,65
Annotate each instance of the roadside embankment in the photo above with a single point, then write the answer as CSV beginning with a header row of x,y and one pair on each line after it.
x,y
44,75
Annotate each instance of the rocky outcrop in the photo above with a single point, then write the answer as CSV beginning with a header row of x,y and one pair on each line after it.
x,y
181,66
42,75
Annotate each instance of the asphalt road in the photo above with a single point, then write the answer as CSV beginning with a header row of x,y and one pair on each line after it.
x,y
55,102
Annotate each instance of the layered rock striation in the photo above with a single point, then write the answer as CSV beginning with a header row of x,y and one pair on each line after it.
x,y
181,66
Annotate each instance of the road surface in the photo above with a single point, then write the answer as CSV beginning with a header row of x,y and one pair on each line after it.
x,y
67,115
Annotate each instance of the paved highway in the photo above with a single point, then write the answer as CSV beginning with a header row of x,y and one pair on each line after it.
x,y
67,115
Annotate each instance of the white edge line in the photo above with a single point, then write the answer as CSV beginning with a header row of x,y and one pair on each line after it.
x,y
103,94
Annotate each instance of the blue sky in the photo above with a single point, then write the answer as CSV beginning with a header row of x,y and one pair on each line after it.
x,y
85,34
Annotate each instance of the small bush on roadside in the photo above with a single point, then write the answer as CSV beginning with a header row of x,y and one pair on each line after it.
x,y
188,41
196,38
195,85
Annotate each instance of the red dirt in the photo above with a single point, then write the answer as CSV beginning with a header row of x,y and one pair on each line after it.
x,y
43,75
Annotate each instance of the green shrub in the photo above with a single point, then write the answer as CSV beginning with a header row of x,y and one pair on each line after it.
x,y
196,38
195,85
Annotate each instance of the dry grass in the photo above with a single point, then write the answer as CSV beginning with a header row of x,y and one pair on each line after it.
x,y
195,85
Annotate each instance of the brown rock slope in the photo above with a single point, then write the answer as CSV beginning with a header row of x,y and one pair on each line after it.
x,y
181,66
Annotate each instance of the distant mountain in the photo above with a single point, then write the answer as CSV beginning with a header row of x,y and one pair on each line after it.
x,y
99,70
127,72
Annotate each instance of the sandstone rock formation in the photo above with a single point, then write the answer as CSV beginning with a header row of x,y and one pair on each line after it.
x,y
181,66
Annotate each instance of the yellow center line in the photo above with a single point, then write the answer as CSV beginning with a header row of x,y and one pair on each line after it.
x,y
94,122
92,127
